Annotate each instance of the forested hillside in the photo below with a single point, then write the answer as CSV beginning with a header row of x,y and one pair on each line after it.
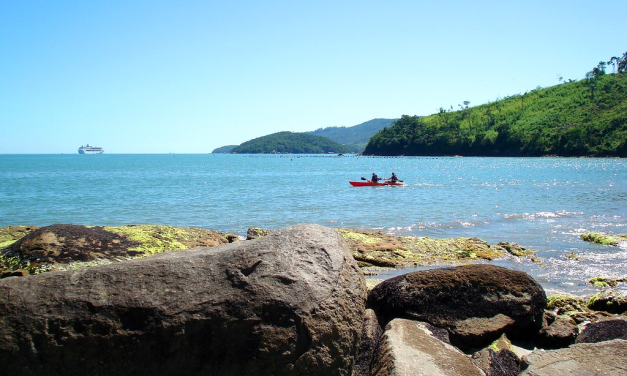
x,y
291,143
355,137
575,118
224,149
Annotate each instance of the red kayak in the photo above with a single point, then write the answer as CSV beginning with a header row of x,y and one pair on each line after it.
x,y
368,183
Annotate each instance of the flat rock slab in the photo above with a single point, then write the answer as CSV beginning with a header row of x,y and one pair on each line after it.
x,y
585,359
410,348
290,303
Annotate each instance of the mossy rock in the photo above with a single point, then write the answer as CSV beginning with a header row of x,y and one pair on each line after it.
x,y
503,343
573,256
603,282
255,232
372,248
604,239
66,246
11,234
609,301
565,304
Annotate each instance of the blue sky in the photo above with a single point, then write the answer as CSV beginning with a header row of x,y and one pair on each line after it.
x,y
190,76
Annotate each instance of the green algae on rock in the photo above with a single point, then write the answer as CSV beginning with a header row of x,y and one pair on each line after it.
x,y
610,301
66,246
372,248
604,239
606,282
582,310
564,303
11,234
155,239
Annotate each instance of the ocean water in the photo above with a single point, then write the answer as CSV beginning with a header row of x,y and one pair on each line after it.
x,y
541,203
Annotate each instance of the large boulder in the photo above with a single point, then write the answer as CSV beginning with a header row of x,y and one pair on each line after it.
x,y
288,303
604,358
411,348
475,303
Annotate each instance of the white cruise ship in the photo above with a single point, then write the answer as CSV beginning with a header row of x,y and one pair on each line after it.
x,y
90,149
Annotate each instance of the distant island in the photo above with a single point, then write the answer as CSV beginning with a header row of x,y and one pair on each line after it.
x,y
574,118
290,143
352,140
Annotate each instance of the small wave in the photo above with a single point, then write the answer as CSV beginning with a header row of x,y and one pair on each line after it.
x,y
559,214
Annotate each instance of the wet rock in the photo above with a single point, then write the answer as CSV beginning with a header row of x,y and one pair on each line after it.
x,y
563,303
610,301
498,360
604,239
377,249
604,358
604,331
576,308
255,232
290,303
606,282
410,348
67,246
11,234
370,336
475,303
516,249
560,332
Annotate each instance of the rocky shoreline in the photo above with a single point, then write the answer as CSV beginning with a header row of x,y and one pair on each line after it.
x,y
183,301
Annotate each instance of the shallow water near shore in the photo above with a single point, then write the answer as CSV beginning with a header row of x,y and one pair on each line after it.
x,y
541,203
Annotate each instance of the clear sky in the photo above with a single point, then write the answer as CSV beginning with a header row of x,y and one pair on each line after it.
x,y
189,76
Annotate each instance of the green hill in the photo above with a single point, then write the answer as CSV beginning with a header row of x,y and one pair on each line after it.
x,y
582,118
290,143
355,137
223,149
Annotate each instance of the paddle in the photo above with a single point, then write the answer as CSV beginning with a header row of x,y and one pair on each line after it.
x,y
398,181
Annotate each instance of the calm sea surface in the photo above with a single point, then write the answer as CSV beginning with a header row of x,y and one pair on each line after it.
x,y
541,203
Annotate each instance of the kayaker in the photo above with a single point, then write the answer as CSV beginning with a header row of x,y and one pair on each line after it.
x,y
393,179
375,178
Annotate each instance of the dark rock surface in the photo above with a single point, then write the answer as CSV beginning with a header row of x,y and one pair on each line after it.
x,y
560,332
475,303
410,348
497,363
370,336
64,243
604,331
610,301
604,358
290,303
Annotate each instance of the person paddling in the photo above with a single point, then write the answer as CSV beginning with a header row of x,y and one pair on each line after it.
x,y
393,179
375,178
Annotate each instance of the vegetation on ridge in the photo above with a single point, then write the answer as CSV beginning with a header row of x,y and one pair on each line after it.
x,y
575,118
290,143
355,137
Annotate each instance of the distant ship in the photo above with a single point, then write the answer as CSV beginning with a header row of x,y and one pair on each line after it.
x,y
90,149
